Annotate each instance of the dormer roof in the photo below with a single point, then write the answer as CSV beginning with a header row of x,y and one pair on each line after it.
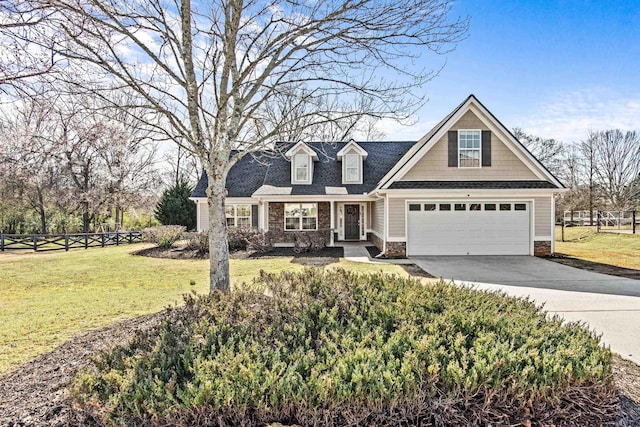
x,y
301,146
352,146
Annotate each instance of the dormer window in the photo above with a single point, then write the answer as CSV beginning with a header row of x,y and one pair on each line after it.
x,y
301,167
352,156
302,158
352,168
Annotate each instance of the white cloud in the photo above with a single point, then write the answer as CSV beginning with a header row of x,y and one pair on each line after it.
x,y
394,131
569,116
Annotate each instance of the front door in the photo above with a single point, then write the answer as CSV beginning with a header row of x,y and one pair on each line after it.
x,y
351,222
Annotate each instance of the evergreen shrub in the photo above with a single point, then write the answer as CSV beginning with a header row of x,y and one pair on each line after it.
x,y
331,347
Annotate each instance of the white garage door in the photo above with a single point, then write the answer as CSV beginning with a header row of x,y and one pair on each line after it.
x,y
468,228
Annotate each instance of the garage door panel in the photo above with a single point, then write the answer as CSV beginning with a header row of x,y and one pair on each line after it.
x,y
473,232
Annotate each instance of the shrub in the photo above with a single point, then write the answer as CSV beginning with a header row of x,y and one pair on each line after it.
x,y
262,242
197,242
237,238
163,236
309,241
336,348
174,206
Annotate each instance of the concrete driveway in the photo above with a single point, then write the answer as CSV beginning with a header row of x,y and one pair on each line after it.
x,y
525,271
610,305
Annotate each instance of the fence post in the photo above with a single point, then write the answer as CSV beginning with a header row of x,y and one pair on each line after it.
x,y
102,236
86,240
66,242
598,221
2,242
35,243
633,221
117,238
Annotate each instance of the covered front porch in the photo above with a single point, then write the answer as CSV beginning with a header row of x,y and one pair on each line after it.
x,y
341,220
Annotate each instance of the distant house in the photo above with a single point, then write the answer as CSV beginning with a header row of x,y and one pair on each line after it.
x,y
468,187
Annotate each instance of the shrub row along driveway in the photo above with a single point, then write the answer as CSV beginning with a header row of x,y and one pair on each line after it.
x,y
609,304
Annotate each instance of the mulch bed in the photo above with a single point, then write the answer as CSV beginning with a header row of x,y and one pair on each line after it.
x,y
412,269
172,253
596,267
322,257
333,252
35,393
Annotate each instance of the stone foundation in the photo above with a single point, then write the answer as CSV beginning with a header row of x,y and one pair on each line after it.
x,y
377,242
396,250
541,248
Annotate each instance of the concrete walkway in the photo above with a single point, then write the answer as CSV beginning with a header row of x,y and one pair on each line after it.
x,y
609,305
357,252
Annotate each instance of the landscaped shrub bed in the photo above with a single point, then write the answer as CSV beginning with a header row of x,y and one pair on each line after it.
x,y
336,348
163,236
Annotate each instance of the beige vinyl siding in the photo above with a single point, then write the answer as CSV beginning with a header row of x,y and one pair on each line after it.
x,y
203,216
377,216
396,217
504,164
542,220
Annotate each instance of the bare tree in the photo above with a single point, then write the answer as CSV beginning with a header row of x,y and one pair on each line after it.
x,y
28,163
549,151
616,165
209,69
184,165
28,60
589,149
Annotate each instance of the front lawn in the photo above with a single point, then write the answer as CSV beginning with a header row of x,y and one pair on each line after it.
x,y
621,250
46,298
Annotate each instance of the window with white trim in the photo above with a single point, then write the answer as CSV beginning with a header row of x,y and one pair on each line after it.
x,y
238,216
301,167
300,216
469,150
352,168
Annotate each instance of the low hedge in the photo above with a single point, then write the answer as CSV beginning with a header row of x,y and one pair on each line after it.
x,y
337,348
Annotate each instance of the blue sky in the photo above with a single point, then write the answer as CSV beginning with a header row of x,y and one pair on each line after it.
x,y
554,68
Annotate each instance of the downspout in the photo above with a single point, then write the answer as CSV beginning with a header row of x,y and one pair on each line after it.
x,y
332,225
386,223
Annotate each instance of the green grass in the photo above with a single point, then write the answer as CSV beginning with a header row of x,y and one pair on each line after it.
x,y
622,250
47,298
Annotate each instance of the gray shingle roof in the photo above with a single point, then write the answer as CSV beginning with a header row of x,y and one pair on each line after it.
x,y
470,185
251,173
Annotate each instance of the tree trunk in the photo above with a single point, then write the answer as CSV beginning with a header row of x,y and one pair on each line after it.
x,y
85,217
218,245
41,211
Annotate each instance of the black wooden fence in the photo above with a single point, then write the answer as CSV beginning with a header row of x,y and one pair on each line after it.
x,y
57,242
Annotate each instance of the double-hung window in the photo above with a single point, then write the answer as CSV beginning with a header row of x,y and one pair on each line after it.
x,y
301,165
469,149
300,216
352,168
238,216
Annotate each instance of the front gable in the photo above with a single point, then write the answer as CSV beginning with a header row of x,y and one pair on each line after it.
x,y
501,156
435,164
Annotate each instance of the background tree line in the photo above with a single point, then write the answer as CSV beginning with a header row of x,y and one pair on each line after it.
x,y
68,166
601,172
